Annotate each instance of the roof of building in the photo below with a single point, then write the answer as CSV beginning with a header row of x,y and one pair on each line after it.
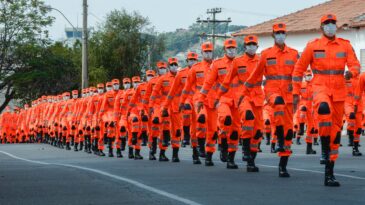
x,y
350,14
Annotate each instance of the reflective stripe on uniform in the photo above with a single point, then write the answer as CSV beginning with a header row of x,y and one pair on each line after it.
x,y
328,72
297,79
278,77
281,113
247,128
325,124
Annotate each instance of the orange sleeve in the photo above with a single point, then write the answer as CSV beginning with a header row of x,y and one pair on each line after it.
x,y
209,82
352,62
225,85
174,88
300,67
190,82
155,93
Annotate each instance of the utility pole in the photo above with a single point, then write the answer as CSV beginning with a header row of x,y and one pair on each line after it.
x,y
214,21
84,74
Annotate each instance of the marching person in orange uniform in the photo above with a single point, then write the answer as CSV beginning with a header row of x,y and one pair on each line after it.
x,y
134,119
205,129
351,84
108,115
251,106
228,114
94,121
121,111
154,120
186,105
64,119
306,113
328,57
138,105
84,134
169,119
276,65
359,88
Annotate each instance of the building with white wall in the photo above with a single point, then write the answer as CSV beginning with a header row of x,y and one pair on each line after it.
x,y
304,25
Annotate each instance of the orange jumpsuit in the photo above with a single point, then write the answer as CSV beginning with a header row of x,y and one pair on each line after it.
x,y
327,60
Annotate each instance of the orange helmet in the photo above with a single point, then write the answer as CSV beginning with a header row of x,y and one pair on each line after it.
x,y
75,92
100,85
172,60
109,84
192,55
308,72
229,43
126,80
136,79
44,97
161,64
328,17
26,106
66,94
207,46
150,73
279,27
251,39
115,81
59,97
93,89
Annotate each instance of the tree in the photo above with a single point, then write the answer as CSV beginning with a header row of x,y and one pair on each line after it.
x,y
22,26
121,46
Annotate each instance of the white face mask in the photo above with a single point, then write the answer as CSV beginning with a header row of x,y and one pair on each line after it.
x,y
173,68
108,88
207,55
66,98
280,38
191,62
251,49
100,91
308,78
116,86
231,52
162,71
74,96
127,85
135,85
330,29
149,78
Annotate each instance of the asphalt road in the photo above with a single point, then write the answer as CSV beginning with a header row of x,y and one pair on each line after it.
x,y
42,174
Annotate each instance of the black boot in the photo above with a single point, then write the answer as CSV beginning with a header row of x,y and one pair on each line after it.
x,y
246,149
89,147
186,140
230,163
144,138
268,136
81,145
224,150
130,153
325,145
208,159
101,153
350,133
75,147
280,136
111,152
251,167
123,144
137,155
119,153
175,155
166,138
152,155
163,157
315,141
201,142
355,150
273,150
68,146
329,178
196,159
310,149
298,140
282,167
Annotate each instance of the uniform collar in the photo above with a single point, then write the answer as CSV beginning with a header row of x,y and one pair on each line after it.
x,y
277,49
326,41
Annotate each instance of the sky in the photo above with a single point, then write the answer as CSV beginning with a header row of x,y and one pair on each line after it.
x,y
168,15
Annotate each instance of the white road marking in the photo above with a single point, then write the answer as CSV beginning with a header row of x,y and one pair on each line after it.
x,y
135,183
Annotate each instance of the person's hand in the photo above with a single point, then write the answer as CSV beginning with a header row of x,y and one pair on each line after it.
x,y
348,75
165,112
216,102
